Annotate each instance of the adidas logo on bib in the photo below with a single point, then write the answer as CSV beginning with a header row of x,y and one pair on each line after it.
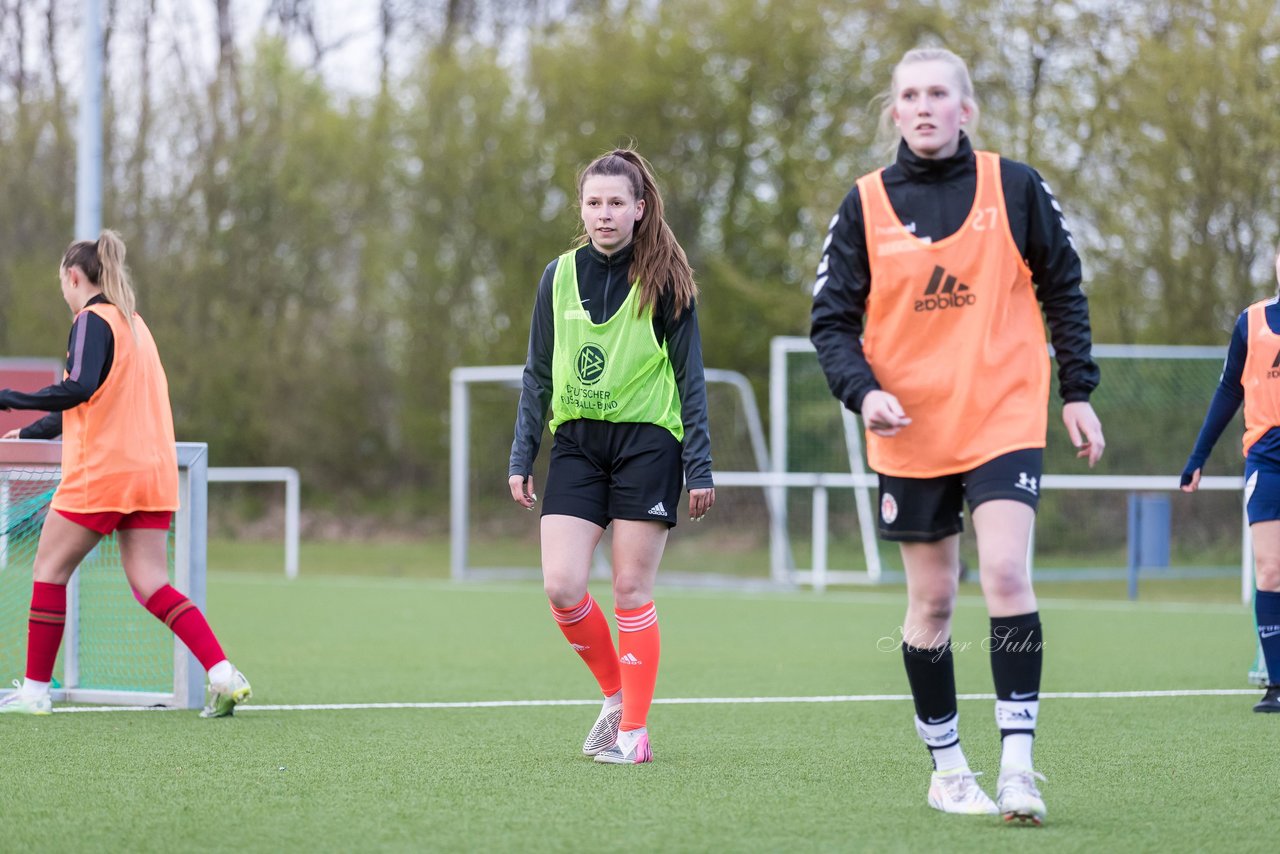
x,y
943,294
658,510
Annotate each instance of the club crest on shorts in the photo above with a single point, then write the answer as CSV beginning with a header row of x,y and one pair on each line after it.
x,y
590,363
888,509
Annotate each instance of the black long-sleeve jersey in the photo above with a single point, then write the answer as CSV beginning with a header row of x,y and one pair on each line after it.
x,y
933,198
90,352
603,287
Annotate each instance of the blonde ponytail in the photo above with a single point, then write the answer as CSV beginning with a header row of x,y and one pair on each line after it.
x,y
102,262
114,278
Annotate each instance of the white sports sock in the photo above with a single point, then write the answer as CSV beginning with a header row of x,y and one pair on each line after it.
x,y
614,699
221,673
949,758
943,741
33,688
1015,751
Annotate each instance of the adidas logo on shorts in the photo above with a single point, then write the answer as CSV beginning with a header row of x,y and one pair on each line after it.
x,y
658,510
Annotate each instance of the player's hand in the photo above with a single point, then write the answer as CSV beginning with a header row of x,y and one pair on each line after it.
x,y
1190,482
522,490
12,434
882,413
700,501
1085,430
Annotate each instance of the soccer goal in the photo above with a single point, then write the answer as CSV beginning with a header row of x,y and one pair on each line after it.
x,y
801,511
1113,522
490,536
114,651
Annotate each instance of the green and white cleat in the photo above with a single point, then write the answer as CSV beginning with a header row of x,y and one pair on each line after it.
x,y
1018,797
18,703
224,698
957,792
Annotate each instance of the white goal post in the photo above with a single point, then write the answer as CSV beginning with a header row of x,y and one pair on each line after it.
x,y
814,464
785,347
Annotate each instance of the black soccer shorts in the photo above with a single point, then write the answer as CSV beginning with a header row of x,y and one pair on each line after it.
x,y
926,510
601,471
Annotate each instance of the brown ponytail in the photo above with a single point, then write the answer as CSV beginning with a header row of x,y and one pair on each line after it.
x,y
102,262
658,261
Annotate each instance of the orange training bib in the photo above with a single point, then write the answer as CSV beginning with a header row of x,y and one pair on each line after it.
x,y
118,451
953,330
1261,376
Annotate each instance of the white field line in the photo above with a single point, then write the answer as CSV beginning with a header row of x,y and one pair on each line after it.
x,y
683,701
830,597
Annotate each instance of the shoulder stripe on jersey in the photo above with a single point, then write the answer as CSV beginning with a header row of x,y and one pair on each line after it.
x,y
77,352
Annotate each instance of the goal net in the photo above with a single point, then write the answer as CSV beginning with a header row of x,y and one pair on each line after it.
x,y
492,537
113,649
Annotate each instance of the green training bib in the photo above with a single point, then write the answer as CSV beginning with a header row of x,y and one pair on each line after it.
x,y
612,371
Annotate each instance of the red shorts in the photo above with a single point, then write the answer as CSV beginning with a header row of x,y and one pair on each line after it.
x,y
105,523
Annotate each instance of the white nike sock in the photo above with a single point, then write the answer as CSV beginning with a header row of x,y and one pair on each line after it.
x,y
221,673
949,758
1015,751
33,688
943,741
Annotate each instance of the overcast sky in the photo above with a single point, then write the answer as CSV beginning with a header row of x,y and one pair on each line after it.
x,y
348,29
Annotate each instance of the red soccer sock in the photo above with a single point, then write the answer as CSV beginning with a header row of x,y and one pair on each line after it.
x,y
44,629
184,619
585,627
638,650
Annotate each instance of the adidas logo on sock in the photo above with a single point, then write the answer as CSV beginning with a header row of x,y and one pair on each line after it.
x,y
629,659
579,647
657,510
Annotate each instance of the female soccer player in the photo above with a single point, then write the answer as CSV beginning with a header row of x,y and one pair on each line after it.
x,y
614,350
1250,376
942,256
119,473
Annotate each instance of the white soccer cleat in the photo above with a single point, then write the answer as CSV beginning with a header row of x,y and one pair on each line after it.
x,y
605,730
631,748
957,792
1018,797
19,703
223,698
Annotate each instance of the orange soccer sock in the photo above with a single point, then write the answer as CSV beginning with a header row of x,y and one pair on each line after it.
x,y
639,646
585,627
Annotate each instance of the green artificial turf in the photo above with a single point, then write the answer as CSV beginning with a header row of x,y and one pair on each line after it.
x,y
1135,774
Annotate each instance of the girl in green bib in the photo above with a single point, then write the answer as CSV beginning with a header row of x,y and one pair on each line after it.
x,y
615,355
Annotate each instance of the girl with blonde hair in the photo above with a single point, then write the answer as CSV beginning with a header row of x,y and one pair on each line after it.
x,y
119,474
927,318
